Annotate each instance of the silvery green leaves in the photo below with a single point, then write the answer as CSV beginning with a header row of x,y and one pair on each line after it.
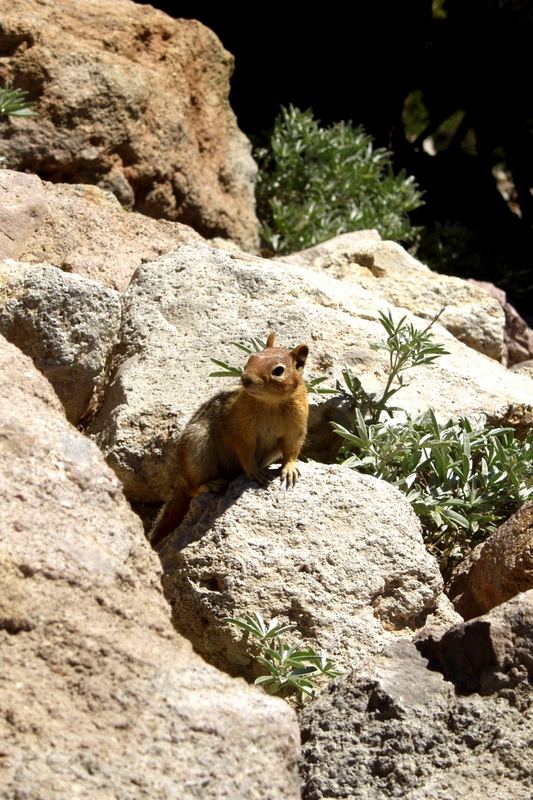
x,y
461,480
408,347
14,103
317,182
289,667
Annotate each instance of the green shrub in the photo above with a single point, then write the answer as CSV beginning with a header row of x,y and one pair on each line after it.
x,y
462,480
289,667
317,182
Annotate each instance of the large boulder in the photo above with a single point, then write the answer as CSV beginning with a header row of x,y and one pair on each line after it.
x,y
99,697
188,307
398,729
67,324
134,101
81,229
340,555
470,312
496,569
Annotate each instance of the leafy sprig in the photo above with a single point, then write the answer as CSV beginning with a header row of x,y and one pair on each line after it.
x,y
317,182
14,103
289,667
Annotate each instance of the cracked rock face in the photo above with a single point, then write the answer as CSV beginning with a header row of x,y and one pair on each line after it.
x,y
340,554
91,67
99,697
67,324
398,729
187,307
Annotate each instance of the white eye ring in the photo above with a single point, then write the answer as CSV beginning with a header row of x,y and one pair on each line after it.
x,y
278,371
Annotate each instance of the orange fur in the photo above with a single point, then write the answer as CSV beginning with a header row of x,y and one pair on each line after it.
x,y
243,430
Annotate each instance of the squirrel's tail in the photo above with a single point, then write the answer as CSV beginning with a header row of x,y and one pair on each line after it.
x,y
170,515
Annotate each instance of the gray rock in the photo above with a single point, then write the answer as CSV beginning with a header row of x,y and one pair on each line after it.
x,y
189,306
66,323
99,697
398,730
488,653
341,555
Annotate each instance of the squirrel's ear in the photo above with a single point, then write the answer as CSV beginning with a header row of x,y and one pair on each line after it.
x,y
271,341
299,356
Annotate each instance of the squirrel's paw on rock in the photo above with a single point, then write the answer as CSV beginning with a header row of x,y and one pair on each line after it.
x,y
289,474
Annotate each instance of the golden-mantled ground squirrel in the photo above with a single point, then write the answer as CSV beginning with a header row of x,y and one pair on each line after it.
x,y
243,430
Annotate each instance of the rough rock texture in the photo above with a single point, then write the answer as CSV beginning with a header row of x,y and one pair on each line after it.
x,y
518,335
497,569
341,555
397,730
524,367
66,323
489,653
189,306
518,416
134,101
99,698
80,229
22,211
388,271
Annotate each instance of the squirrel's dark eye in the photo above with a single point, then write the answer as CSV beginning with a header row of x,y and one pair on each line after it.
x,y
278,371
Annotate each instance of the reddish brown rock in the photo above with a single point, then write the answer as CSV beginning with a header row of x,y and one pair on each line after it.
x,y
489,653
497,569
80,228
131,100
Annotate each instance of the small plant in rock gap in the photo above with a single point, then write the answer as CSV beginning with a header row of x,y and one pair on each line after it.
x,y
14,103
254,345
316,182
289,667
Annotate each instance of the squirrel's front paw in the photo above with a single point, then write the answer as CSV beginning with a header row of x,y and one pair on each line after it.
x,y
289,474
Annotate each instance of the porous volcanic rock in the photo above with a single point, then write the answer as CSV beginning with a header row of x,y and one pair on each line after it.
x,y
489,653
134,101
99,697
80,228
518,334
340,555
66,323
189,306
397,729
22,211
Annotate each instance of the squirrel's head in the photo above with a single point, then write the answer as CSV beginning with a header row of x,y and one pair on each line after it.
x,y
275,373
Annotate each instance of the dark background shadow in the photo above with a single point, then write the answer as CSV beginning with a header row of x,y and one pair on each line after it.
x,y
454,72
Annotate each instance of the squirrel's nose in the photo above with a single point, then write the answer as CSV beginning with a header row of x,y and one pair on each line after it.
x,y
246,380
